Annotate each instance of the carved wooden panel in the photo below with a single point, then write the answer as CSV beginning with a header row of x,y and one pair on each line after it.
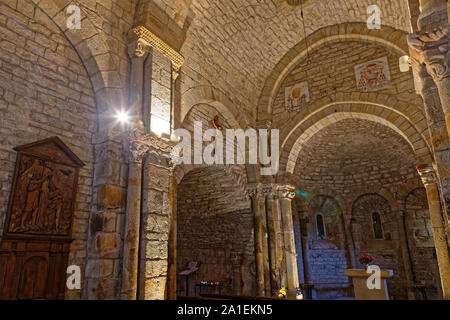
x,y
37,234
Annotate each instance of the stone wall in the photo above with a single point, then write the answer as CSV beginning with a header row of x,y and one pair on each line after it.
x,y
158,206
44,91
421,244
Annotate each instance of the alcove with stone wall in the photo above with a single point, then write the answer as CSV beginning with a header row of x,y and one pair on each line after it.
x,y
215,228
323,256
386,250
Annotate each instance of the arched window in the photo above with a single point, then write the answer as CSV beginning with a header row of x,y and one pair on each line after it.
x,y
320,227
377,228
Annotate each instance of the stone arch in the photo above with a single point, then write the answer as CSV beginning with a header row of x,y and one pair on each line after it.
x,y
417,194
376,202
237,173
415,137
232,121
216,98
376,103
380,191
388,37
94,51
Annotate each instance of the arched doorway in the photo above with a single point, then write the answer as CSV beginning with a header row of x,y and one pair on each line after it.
x,y
214,229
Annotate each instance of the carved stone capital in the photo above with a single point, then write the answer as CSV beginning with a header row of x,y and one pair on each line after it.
x,y
286,192
175,73
155,42
269,190
433,49
427,174
254,191
135,146
138,49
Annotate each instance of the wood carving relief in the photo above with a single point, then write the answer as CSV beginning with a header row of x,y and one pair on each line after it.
x,y
43,198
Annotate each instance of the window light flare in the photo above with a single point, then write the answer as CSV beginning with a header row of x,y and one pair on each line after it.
x,y
123,117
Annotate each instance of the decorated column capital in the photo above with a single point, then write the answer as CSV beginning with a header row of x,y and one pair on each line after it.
x,y
175,73
286,192
152,40
432,48
427,174
138,48
254,190
269,190
135,146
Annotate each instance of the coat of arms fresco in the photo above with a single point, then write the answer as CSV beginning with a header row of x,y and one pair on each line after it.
x,y
296,96
373,75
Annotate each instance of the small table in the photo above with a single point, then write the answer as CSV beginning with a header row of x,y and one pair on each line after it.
x,y
362,291
208,285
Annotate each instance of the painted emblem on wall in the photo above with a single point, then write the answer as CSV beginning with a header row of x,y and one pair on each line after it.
x,y
373,75
296,96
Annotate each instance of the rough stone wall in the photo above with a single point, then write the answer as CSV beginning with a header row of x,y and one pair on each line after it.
x,y
215,228
44,91
420,241
156,215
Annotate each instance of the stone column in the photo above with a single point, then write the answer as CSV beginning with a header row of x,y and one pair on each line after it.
x,y
433,13
265,244
135,151
437,221
275,240
440,141
430,46
172,250
175,75
254,193
138,52
287,194
405,254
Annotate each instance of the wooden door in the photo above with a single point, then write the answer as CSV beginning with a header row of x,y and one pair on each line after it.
x,y
36,242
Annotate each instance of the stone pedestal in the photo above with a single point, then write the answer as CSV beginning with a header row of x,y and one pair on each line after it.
x,y
362,291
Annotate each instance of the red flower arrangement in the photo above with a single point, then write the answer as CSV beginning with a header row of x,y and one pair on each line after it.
x,y
366,259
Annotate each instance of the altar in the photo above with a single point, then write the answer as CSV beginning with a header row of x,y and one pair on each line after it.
x,y
374,289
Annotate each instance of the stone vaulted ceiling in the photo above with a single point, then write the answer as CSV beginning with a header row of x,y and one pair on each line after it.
x,y
351,148
239,42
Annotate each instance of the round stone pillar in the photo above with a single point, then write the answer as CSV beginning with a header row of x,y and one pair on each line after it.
x,y
135,151
433,13
255,194
437,221
275,240
430,46
286,195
